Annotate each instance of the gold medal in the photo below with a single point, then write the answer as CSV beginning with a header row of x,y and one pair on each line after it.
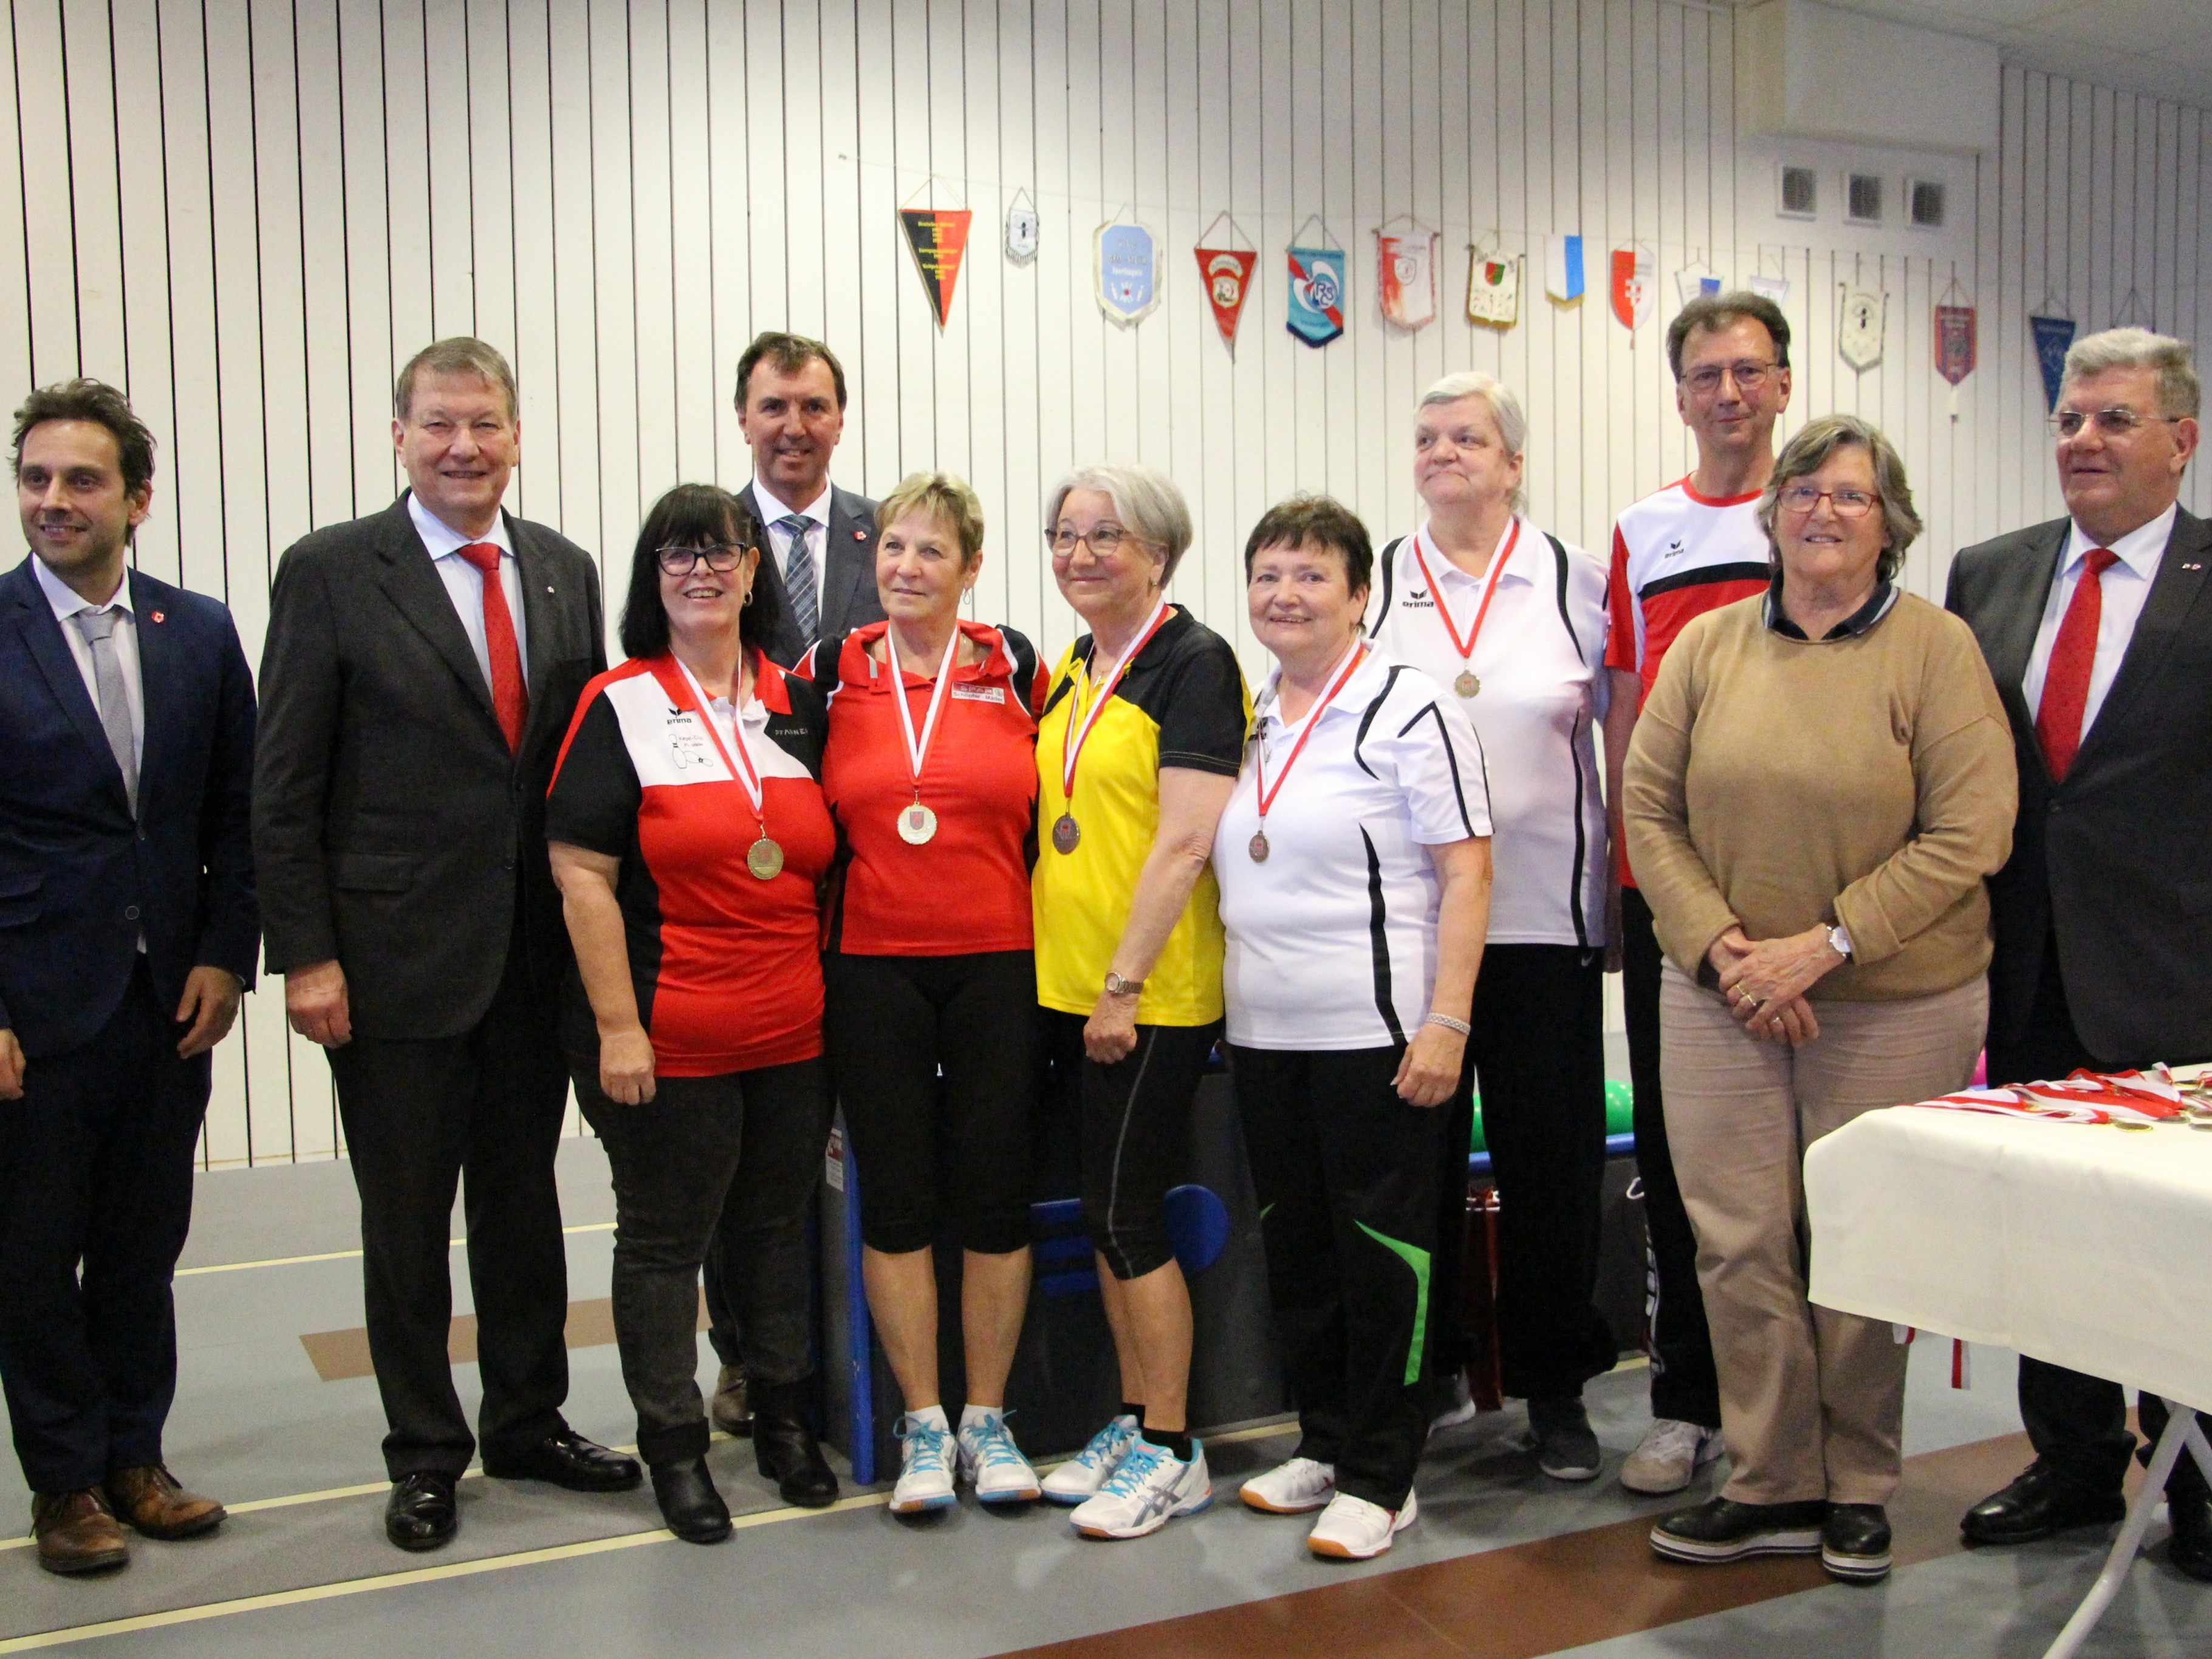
x,y
1466,685
1065,834
764,859
916,825
1257,846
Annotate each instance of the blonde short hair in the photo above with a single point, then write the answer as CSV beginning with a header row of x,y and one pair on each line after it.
x,y
941,496
1149,505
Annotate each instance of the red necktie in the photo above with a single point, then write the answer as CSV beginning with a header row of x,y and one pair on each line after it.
x,y
509,700
2073,655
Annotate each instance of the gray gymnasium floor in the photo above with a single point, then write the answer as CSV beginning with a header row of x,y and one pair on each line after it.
x,y
301,1567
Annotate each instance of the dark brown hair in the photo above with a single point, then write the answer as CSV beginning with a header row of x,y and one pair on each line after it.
x,y
1323,521
1717,310
789,353
101,404
694,516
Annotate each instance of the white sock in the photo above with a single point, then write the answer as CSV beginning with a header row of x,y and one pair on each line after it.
x,y
932,1415
972,1415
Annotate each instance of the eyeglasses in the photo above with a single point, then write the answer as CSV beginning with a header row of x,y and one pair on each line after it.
x,y
1750,375
683,560
1105,541
1802,498
2116,423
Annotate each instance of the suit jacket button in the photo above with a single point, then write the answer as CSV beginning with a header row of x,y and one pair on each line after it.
x,y
129,913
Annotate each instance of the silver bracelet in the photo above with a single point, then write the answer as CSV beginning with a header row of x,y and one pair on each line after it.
x,y
1450,1023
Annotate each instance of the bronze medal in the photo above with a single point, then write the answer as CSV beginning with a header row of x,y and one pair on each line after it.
x,y
916,825
1257,846
764,859
1065,834
1466,685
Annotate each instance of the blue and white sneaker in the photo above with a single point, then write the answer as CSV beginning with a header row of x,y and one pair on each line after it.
x,y
1083,1474
925,1480
992,1464
1151,1487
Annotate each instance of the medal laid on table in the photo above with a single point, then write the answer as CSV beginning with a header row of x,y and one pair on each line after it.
x,y
1257,846
1065,832
1467,684
764,857
917,824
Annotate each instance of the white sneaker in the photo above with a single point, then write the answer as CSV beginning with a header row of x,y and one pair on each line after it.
x,y
1150,1488
1290,1488
1462,1409
1670,1456
992,1464
925,1480
1083,1474
1352,1529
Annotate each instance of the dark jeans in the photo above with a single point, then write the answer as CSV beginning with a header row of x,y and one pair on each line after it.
x,y
726,1162
2077,1424
1537,1058
420,1115
1345,1173
1684,1384
96,1174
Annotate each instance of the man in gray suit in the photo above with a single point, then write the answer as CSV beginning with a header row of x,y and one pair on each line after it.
x,y
421,669
2098,629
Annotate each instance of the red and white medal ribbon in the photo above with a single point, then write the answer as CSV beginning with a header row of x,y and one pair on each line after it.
x,y
1072,738
1466,685
1258,847
917,824
741,769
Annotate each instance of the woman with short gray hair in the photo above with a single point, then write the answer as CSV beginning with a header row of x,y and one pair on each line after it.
x,y
1820,783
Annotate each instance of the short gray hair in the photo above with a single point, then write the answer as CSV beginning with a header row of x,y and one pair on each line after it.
x,y
1808,451
1148,504
460,355
1504,409
2179,395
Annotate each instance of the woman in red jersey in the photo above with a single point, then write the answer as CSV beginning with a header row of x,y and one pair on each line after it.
x,y
929,770
690,838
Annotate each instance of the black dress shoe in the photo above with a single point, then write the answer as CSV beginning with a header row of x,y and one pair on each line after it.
x,y
786,1449
1855,1543
567,1459
1721,1529
2190,1549
694,1511
2039,1503
421,1513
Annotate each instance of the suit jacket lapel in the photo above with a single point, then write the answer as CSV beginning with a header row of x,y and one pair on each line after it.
x,y
2174,590
2017,620
411,581
842,564
157,663
42,635
540,620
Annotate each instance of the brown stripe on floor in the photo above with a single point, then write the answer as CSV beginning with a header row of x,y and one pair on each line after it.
x,y
1524,1601
338,1355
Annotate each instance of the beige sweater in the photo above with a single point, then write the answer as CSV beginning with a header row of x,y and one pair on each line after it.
x,y
1869,780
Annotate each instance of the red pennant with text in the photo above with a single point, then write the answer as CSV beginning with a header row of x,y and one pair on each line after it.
x,y
938,236
1228,275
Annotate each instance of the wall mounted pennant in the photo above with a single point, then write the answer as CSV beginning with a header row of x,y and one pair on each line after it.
x,y
1563,269
1696,279
1859,330
1776,289
1128,258
938,237
1405,273
1227,273
1493,290
1023,232
1634,276
1956,347
2053,334
2134,313
1317,290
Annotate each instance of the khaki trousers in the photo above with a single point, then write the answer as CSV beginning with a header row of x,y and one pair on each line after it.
x,y
1812,1400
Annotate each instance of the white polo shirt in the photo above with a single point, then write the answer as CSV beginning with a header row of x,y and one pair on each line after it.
x,y
1541,659
1333,940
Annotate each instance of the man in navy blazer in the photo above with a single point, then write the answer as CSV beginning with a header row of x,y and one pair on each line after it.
x,y
128,931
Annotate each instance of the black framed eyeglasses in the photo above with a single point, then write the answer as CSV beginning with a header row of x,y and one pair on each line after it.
x,y
2115,422
683,560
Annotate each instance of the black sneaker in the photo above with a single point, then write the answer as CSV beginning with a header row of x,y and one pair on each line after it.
x,y
1559,1434
1855,1543
1721,1529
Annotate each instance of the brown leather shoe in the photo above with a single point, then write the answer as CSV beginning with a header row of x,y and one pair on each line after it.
x,y
76,1532
149,1499
732,1408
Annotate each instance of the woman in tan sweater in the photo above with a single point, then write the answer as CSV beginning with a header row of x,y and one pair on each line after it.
x,y
1821,781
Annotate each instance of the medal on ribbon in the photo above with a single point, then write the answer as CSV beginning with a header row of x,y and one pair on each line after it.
x,y
1466,683
938,237
1257,848
764,857
1067,834
1128,269
1493,290
1406,274
917,824
1227,273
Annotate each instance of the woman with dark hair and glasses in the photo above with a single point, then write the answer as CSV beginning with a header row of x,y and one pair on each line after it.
x,y
690,838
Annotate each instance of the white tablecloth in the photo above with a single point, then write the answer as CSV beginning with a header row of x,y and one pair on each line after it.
x,y
2081,1244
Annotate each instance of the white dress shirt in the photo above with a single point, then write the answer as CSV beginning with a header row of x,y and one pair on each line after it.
x,y
818,531
67,603
464,582
2123,590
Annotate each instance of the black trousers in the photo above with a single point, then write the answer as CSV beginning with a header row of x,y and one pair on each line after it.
x,y
709,1156
1684,1384
421,1116
1537,1058
96,1178
2077,1424
1346,1175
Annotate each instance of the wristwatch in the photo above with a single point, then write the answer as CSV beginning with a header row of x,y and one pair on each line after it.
x,y
1839,941
1118,987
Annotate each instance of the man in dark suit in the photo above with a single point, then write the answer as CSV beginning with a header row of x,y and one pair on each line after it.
x,y
127,934
2098,629
822,559
421,668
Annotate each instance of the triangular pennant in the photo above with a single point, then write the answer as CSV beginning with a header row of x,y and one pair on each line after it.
x,y
2054,338
1227,273
938,236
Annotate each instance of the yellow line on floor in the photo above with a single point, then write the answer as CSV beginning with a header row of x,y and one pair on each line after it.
x,y
347,1256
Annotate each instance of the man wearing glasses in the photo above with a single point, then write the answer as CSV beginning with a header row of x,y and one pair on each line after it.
x,y
2098,629
1678,553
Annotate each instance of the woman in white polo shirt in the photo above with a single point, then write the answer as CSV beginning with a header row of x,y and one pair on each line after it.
x,y
1511,622
1354,867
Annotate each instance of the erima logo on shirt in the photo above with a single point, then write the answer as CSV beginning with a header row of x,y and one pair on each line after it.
x,y
1675,546
1417,599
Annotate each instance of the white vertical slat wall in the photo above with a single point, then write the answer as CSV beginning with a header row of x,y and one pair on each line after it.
x,y
248,212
